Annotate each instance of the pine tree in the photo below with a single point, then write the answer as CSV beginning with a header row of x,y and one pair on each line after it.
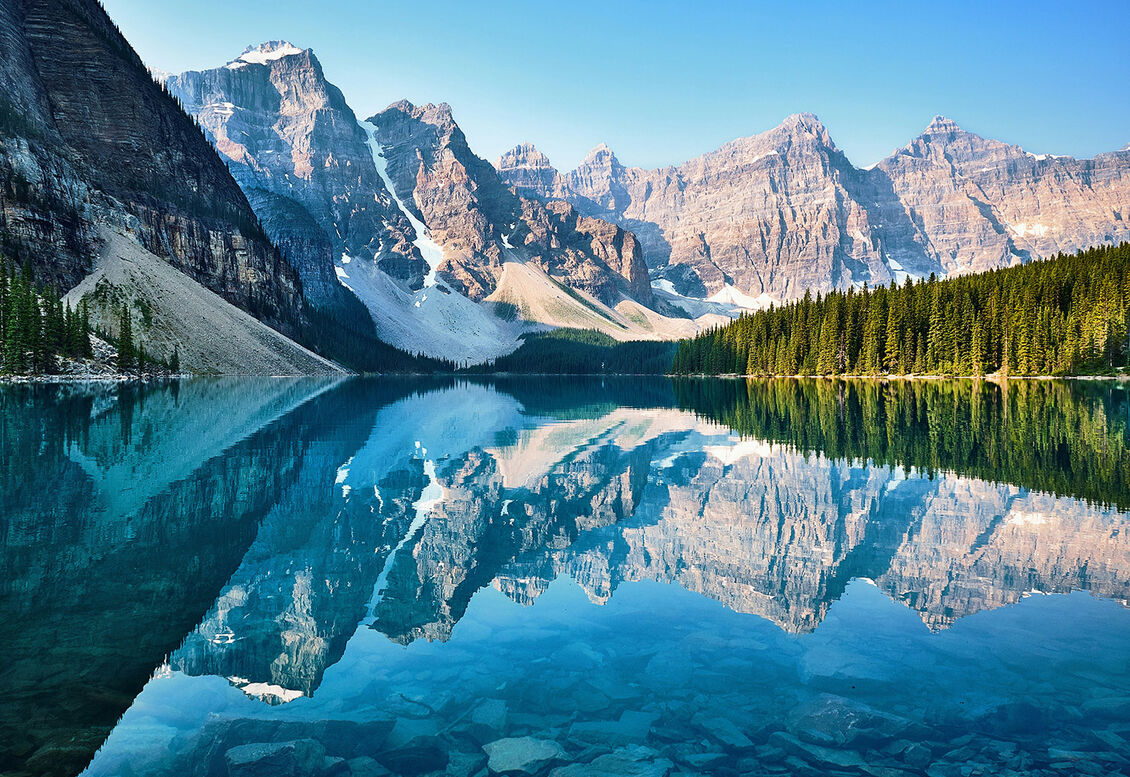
x,y
125,341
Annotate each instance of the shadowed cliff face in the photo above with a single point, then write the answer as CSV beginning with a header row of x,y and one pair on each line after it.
x,y
88,140
295,146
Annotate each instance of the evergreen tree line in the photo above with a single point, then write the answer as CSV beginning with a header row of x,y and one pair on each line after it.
x,y
581,352
1060,316
36,326
1068,439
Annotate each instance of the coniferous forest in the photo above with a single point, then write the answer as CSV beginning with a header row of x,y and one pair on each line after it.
x,y
36,326
1061,316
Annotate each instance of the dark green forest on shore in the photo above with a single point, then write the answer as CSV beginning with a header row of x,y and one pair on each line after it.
x,y
1061,316
36,326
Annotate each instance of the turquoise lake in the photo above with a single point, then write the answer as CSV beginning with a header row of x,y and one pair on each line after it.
x,y
566,577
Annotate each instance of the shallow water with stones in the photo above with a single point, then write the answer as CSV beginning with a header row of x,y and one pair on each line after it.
x,y
567,577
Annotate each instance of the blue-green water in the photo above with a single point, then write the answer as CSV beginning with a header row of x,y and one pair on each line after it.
x,y
565,577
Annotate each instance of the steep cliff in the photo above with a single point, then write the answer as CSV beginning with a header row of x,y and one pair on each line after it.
x,y
295,147
89,141
479,221
399,211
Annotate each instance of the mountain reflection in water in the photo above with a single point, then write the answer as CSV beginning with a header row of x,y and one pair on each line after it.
x,y
342,563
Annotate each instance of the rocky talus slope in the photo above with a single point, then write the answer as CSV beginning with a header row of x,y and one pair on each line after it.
x,y
766,217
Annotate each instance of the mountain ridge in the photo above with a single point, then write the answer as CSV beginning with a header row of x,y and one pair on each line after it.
x,y
753,217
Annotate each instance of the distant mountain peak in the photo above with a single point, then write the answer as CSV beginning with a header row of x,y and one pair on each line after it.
x,y
526,149
803,119
435,113
941,125
802,125
524,155
264,53
600,153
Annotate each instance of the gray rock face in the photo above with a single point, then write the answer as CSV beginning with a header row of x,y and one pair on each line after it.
x,y
530,173
374,208
88,140
481,223
785,211
983,204
294,145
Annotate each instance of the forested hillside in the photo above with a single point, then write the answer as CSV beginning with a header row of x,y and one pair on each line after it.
x,y
1066,315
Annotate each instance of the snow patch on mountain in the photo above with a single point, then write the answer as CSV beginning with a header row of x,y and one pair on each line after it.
x,y
1025,229
705,312
429,249
265,52
436,322
731,295
897,270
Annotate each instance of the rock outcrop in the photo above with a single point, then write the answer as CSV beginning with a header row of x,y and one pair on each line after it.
x,y
399,211
481,223
983,204
767,217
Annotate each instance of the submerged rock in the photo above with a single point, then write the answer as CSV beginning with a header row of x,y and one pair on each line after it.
x,y
521,755
297,758
628,762
724,731
490,713
419,756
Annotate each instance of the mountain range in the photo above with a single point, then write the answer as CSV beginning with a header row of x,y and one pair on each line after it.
x,y
272,230
765,218
398,210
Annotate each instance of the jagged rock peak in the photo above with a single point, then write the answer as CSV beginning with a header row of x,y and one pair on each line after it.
x,y
266,52
524,155
940,125
600,152
805,124
803,120
406,106
438,115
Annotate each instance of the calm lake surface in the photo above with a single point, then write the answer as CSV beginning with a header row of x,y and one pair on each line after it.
x,y
565,576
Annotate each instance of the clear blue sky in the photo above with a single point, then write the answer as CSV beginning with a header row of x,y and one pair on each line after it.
x,y
662,81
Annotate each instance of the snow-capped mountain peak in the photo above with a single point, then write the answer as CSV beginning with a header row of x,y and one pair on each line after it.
x,y
264,53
